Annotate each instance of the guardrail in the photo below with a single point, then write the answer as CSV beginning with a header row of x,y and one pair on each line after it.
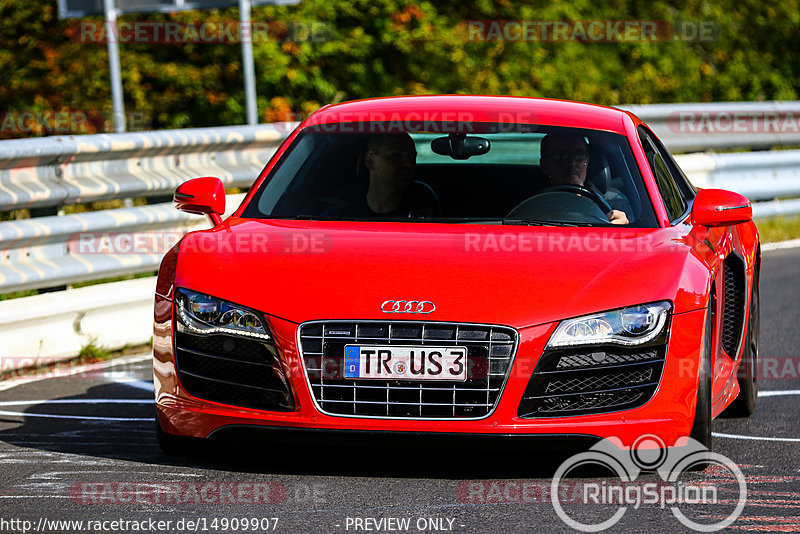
x,y
57,250
55,171
48,172
760,176
723,125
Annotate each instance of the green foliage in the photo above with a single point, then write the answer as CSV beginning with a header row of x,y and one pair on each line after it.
x,y
92,352
19,294
780,228
366,48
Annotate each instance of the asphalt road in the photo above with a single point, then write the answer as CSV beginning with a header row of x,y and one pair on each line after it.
x,y
81,448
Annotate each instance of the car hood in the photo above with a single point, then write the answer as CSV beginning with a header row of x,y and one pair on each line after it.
x,y
514,275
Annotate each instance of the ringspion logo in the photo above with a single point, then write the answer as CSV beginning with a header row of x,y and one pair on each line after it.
x,y
623,491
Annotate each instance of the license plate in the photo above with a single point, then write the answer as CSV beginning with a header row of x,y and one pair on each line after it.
x,y
397,362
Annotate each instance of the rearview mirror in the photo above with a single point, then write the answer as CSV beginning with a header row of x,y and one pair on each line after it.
x,y
718,207
459,146
202,196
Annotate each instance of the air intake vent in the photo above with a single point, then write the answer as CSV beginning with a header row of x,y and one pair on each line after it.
x,y
232,370
733,304
592,380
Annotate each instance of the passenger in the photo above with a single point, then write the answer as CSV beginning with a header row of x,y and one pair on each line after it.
x,y
565,160
390,160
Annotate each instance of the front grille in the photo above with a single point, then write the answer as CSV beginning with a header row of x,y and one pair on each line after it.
x,y
490,350
232,370
595,380
732,304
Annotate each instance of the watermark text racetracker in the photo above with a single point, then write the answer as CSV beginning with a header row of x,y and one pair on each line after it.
x,y
177,493
591,242
37,367
590,31
733,122
318,242
198,31
422,121
635,493
54,122
159,242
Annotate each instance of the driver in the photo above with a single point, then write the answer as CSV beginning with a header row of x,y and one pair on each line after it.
x,y
565,159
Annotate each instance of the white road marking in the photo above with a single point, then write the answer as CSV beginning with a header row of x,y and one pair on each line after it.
x,y
78,417
94,443
755,438
59,372
778,393
134,382
56,475
34,496
75,401
792,243
39,402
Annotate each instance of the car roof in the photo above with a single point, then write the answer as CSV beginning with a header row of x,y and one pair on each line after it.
x,y
415,110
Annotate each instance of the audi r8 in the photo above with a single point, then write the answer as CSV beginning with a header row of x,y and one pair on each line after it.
x,y
495,302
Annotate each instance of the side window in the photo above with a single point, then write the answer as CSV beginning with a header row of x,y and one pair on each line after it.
x,y
670,193
687,189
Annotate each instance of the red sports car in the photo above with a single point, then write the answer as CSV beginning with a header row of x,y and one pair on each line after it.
x,y
463,268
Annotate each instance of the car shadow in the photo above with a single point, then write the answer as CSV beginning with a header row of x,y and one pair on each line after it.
x,y
122,428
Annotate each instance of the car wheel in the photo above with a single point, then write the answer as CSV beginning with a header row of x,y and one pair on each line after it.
x,y
701,428
745,403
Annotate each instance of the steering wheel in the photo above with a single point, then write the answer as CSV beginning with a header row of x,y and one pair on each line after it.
x,y
597,198
423,186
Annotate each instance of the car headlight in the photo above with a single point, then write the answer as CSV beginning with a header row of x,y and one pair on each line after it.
x,y
633,325
203,314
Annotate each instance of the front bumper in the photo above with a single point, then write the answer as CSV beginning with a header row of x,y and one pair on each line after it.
x,y
668,414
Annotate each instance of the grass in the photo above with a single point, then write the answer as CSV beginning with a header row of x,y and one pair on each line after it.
x,y
19,294
136,276
781,228
92,352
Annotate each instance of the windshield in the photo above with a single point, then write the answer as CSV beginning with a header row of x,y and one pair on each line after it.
x,y
506,173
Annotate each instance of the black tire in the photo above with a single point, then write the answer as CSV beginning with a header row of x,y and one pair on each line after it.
x,y
745,403
173,445
701,428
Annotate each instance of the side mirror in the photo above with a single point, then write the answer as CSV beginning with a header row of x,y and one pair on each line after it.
x,y
718,207
202,196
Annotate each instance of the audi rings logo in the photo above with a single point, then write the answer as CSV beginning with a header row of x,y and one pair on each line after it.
x,y
408,306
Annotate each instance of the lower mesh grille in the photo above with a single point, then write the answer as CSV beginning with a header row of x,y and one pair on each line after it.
x,y
232,370
609,380
594,401
585,381
490,350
